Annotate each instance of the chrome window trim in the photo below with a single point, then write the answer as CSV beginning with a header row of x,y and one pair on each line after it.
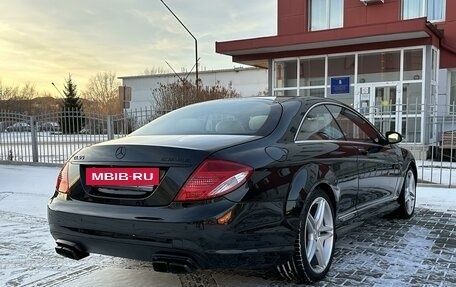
x,y
295,140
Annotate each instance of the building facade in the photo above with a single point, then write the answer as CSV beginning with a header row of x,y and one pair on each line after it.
x,y
393,60
248,82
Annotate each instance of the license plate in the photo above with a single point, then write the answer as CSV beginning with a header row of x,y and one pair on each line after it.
x,y
115,176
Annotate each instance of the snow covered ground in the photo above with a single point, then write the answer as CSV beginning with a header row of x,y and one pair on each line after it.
x,y
27,257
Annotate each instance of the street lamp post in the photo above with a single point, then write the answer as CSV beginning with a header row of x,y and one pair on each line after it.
x,y
196,44
58,90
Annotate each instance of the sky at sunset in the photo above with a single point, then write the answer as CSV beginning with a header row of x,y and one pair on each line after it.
x,y
42,41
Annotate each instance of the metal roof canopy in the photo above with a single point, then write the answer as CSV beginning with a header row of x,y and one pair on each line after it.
x,y
255,51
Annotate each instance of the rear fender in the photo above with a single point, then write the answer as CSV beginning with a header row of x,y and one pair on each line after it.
x,y
305,180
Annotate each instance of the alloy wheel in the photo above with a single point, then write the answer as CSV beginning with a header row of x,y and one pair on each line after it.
x,y
410,192
319,232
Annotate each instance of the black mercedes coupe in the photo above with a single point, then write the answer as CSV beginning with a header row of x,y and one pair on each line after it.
x,y
235,183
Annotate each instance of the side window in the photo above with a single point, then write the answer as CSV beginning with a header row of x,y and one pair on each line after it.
x,y
354,127
319,125
326,14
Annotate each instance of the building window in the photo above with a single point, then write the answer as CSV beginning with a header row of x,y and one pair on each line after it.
x,y
434,10
286,74
312,92
379,67
413,64
312,72
453,92
411,98
341,66
326,14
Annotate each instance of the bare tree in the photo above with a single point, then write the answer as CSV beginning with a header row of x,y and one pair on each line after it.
x,y
178,94
27,93
155,71
26,99
17,98
102,92
263,93
8,92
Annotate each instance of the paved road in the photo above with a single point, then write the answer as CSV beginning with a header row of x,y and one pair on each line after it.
x,y
417,252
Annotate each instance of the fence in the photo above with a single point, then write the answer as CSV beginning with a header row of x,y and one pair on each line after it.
x,y
429,132
53,137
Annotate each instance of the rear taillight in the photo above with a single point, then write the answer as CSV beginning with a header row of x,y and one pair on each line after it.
x,y
62,180
214,178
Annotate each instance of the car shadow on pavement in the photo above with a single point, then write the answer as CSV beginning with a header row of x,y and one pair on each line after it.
x,y
394,252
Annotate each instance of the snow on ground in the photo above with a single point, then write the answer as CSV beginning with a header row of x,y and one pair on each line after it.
x,y
438,199
24,193
439,172
28,258
26,189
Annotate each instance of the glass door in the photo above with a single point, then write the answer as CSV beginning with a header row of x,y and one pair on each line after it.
x,y
385,112
379,103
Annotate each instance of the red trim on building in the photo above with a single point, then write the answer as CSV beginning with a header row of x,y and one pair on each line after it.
x,y
260,60
386,35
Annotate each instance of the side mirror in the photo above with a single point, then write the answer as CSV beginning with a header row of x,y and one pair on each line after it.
x,y
393,137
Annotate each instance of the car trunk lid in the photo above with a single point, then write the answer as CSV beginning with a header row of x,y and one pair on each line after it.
x,y
174,158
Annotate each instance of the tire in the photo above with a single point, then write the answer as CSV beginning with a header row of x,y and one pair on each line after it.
x,y
407,198
314,246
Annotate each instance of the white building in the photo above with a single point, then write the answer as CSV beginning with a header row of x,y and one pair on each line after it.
x,y
246,81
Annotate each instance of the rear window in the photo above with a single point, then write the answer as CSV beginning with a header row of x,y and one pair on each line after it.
x,y
234,116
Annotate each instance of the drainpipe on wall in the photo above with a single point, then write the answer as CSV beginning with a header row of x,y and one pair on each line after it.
x,y
443,44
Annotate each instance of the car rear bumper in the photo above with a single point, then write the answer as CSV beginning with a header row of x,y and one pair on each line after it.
x,y
253,237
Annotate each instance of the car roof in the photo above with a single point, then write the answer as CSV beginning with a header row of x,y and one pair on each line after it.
x,y
306,100
281,99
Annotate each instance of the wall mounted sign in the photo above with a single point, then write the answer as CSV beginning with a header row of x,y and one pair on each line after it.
x,y
340,85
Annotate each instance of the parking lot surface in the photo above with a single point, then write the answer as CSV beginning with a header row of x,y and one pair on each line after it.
x,y
417,252
392,252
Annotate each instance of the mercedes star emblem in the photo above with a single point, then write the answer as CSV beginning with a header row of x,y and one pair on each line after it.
x,y
121,152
